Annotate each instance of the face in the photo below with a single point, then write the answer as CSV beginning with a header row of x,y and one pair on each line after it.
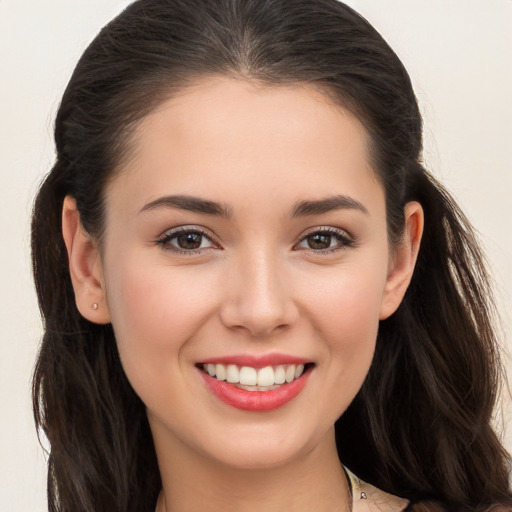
x,y
247,238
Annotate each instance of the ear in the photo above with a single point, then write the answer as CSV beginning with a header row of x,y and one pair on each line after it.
x,y
403,260
85,266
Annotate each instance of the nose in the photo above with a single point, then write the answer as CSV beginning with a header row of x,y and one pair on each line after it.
x,y
258,296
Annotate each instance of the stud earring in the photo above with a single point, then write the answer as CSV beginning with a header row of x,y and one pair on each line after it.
x,y
94,306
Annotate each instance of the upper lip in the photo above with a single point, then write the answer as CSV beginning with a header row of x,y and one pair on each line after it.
x,y
254,361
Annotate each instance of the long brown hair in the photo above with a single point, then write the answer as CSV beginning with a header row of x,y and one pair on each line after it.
x,y
420,425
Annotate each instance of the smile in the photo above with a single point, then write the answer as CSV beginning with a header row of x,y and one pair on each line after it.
x,y
255,388
254,379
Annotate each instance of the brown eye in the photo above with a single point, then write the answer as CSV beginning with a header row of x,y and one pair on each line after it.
x,y
325,240
189,240
186,240
319,241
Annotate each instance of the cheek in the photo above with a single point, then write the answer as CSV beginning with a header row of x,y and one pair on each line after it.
x,y
345,309
346,303
155,310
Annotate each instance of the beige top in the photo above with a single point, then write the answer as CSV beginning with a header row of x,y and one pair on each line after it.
x,y
367,498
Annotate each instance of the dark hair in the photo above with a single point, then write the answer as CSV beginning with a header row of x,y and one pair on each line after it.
x,y
420,425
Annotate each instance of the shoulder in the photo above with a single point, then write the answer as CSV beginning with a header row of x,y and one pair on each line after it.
x,y
367,498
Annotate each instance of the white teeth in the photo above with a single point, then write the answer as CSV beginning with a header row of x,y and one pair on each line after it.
x,y
248,376
280,375
290,373
220,371
232,374
266,376
255,379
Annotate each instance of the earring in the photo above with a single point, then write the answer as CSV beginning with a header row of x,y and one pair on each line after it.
x,y
94,306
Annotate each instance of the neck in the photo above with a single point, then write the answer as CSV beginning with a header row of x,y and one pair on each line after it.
x,y
315,481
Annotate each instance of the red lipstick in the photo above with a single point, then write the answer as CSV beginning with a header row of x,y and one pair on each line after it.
x,y
257,401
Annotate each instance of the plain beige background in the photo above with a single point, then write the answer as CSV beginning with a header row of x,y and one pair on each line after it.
x,y
458,52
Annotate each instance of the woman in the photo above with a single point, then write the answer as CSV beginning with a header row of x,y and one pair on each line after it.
x,y
252,289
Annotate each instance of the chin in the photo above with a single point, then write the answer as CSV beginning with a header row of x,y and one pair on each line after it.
x,y
254,460
269,449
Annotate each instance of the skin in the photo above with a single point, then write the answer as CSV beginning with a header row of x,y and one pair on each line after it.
x,y
256,286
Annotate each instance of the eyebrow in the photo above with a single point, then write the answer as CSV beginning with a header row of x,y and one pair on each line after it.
x,y
338,202
301,209
189,203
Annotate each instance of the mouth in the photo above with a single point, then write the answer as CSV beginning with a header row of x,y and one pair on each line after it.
x,y
255,388
255,379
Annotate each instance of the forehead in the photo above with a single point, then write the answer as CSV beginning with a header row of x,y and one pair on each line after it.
x,y
225,136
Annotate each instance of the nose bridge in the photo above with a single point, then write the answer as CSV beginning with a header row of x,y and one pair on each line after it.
x,y
258,296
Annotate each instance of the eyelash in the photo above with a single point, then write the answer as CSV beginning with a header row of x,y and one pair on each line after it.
x,y
344,241
165,240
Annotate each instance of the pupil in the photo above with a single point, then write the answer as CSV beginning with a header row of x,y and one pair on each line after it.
x,y
189,241
319,241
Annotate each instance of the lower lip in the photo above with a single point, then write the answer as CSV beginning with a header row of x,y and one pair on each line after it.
x,y
255,400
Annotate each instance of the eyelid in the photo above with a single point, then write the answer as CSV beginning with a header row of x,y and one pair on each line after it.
x,y
163,239
347,240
